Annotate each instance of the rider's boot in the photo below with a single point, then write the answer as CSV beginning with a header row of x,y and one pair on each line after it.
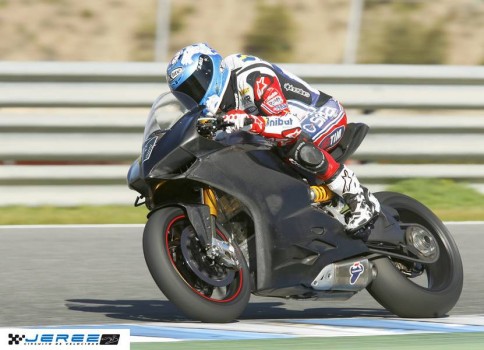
x,y
363,205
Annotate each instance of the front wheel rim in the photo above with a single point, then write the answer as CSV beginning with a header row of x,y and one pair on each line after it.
x,y
179,243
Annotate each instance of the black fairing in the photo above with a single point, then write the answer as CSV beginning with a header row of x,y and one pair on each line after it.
x,y
294,240
289,231
175,149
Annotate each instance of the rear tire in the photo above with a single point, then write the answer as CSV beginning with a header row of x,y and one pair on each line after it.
x,y
187,283
397,292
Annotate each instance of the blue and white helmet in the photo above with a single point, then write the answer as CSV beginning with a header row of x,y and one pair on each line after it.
x,y
199,72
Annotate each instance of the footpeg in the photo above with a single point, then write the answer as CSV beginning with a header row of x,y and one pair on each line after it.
x,y
364,232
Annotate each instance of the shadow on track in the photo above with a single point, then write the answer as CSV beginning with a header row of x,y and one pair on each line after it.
x,y
165,311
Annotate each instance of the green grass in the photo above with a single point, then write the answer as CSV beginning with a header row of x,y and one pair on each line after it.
x,y
46,215
451,201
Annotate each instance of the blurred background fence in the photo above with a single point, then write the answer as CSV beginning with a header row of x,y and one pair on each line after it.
x,y
69,131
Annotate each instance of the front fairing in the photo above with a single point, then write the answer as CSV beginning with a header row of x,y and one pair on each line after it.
x,y
165,112
169,130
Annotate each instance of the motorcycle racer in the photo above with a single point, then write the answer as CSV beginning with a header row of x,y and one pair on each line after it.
x,y
305,123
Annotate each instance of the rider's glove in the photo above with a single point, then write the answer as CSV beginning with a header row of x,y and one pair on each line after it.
x,y
240,119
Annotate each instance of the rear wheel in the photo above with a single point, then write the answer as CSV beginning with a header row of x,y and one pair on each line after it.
x,y
199,286
415,289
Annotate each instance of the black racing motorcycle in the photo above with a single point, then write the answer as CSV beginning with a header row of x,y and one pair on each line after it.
x,y
228,217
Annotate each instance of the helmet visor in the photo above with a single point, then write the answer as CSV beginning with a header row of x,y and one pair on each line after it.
x,y
197,84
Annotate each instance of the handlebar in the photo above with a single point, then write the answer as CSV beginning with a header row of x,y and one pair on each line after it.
x,y
208,126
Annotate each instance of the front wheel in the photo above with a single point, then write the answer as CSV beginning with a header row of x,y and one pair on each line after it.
x,y
418,290
200,287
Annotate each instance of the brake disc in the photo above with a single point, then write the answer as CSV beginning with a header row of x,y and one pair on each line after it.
x,y
202,266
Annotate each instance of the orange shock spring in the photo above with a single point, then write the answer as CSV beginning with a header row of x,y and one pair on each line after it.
x,y
321,194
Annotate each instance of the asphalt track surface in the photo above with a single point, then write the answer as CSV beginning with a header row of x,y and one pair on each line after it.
x,y
73,275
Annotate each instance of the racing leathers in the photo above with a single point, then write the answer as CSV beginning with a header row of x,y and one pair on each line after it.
x,y
305,123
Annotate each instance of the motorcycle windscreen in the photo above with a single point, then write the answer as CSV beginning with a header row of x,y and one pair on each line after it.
x,y
165,111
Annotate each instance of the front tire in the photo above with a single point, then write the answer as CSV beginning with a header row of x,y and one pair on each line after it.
x,y
396,291
201,289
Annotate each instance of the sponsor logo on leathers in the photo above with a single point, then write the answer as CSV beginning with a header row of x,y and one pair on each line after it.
x,y
296,90
261,84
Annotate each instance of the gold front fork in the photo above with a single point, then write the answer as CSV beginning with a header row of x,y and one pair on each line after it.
x,y
210,200
218,249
